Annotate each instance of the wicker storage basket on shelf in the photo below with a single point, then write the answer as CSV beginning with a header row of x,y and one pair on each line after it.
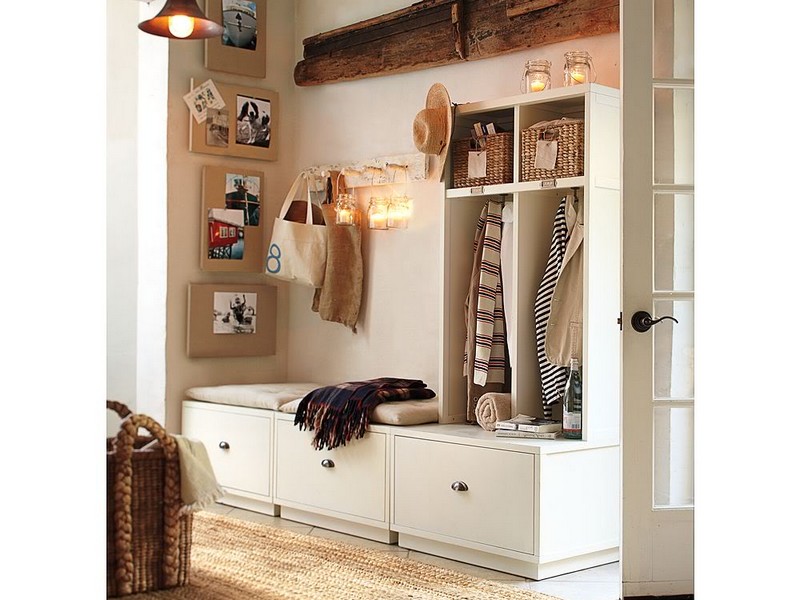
x,y
569,158
148,540
499,161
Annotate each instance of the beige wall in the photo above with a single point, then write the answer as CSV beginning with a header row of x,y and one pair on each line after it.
x,y
184,196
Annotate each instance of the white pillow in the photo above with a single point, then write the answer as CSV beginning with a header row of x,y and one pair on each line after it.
x,y
256,395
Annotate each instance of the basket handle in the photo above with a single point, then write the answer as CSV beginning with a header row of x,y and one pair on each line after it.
x,y
118,407
123,491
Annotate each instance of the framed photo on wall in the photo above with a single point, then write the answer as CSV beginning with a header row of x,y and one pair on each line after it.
x,y
246,126
242,47
231,320
233,220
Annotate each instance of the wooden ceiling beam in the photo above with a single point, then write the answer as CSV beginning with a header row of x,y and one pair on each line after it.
x,y
433,33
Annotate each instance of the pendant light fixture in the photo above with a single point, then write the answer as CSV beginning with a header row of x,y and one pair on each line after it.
x,y
183,20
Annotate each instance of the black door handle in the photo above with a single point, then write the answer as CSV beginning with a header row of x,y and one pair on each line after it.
x,y
641,320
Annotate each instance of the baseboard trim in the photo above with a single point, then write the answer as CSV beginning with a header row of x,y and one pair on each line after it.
x,y
677,597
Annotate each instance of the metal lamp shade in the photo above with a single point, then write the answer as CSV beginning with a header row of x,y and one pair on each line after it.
x,y
203,27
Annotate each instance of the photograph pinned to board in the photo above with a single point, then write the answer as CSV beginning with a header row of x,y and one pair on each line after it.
x,y
245,126
231,319
242,47
232,216
202,98
234,313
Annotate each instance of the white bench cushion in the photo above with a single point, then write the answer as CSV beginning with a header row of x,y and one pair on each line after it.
x,y
256,395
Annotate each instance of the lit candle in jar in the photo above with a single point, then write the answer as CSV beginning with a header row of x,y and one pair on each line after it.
x,y
377,221
537,86
577,76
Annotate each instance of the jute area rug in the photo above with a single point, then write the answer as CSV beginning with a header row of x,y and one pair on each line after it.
x,y
238,560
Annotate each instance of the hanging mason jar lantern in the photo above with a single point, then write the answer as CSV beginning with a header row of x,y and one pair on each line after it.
x,y
346,209
398,213
578,68
537,75
378,213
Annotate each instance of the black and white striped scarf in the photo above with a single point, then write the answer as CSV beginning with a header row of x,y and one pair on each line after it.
x,y
553,377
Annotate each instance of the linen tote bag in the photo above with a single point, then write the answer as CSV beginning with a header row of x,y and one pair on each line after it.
x,y
298,251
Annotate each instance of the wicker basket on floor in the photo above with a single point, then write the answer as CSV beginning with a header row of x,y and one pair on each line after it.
x,y
499,161
569,157
148,540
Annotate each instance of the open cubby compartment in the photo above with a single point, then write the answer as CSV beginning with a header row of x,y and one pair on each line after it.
x,y
463,124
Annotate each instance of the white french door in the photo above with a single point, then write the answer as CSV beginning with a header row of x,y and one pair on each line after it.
x,y
658,281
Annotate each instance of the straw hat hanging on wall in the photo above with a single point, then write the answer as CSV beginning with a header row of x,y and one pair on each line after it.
x,y
433,127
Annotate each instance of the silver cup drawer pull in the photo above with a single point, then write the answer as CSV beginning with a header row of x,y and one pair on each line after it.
x,y
459,486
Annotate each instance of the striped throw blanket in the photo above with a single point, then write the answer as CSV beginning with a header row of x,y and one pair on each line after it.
x,y
338,413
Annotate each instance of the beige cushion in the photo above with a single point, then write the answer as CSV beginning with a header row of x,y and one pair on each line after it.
x,y
397,412
256,395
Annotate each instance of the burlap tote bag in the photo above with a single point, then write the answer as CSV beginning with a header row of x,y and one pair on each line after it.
x,y
298,251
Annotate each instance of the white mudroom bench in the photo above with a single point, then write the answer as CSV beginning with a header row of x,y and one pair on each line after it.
x,y
452,490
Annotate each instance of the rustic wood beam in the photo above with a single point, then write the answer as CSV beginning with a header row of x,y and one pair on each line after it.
x,y
515,8
439,32
406,20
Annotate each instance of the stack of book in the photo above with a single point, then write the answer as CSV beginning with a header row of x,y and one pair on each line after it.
x,y
523,426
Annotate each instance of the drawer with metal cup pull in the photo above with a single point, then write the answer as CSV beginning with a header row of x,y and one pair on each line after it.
x,y
238,441
351,479
484,495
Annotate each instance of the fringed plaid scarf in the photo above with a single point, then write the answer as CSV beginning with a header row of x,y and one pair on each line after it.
x,y
338,413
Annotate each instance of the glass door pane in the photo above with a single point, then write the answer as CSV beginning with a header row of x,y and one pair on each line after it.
x,y
673,475
673,39
673,135
673,233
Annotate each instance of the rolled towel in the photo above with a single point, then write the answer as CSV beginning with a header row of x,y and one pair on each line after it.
x,y
492,407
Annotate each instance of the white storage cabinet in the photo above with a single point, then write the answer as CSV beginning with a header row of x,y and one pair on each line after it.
x,y
537,508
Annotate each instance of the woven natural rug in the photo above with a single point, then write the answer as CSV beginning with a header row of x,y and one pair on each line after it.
x,y
239,560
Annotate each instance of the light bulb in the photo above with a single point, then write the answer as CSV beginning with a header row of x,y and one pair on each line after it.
x,y
181,26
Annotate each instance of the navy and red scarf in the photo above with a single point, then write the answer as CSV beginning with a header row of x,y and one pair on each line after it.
x,y
338,413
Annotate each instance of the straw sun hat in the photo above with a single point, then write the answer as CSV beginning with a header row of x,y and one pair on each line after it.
x,y
433,126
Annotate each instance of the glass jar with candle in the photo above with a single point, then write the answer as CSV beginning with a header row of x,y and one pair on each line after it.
x,y
537,75
578,68
378,213
398,213
346,209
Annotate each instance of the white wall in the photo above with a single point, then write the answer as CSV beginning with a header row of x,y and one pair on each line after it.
x,y
121,190
398,331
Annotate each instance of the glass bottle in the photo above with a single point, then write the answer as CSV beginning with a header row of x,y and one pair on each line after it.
x,y
578,68
573,402
537,75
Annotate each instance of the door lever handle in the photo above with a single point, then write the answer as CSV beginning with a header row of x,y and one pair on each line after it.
x,y
641,321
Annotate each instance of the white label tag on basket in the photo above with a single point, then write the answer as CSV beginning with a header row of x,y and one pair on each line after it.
x,y
476,164
546,151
